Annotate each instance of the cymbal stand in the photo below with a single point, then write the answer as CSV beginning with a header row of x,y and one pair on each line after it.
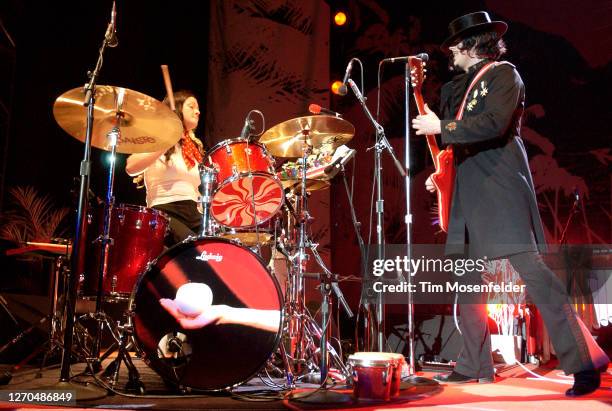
x,y
82,392
106,242
302,328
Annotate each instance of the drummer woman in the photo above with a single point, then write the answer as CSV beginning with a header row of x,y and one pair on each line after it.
x,y
171,176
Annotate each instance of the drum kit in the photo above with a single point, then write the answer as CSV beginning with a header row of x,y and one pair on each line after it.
x,y
247,206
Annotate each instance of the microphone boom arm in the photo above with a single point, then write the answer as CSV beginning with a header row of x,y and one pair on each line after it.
x,y
381,140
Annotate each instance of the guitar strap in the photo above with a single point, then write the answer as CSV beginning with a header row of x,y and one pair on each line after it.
x,y
477,77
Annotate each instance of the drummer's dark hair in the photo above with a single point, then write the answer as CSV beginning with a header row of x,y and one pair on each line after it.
x,y
180,97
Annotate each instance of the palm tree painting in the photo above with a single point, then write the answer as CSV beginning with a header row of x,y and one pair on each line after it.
x,y
271,56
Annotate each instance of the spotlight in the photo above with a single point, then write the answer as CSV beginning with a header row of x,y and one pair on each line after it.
x,y
340,18
335,86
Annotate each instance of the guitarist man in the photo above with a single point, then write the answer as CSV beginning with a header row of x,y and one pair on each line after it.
x,y
494,211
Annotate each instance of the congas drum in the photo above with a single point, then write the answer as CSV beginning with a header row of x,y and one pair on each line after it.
x,y
376,375
137,235
245,182
221,354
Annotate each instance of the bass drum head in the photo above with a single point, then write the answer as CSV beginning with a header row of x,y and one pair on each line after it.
x,y
216,356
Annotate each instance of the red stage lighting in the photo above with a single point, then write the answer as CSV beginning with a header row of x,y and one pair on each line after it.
x,y
335,86
340,18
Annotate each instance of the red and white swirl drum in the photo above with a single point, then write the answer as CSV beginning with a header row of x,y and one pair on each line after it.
x,y
248,191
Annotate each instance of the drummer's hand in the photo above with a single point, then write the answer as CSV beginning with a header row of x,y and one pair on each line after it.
x,y
427,124
212,315
429,185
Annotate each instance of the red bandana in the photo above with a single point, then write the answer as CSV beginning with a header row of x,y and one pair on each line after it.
x,y
191,154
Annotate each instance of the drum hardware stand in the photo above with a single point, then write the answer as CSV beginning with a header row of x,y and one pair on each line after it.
x,y
208,177
381,144
246,133
55,324
125,333
82,392
54,341
302,329
105,241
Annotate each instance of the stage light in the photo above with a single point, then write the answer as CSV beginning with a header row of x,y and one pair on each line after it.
x,y
336,86
340,18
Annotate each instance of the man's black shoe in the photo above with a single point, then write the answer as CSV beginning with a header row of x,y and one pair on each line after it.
x,y
457,378
585,382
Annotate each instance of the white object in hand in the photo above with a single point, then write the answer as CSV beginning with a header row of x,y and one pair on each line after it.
x,y
193,298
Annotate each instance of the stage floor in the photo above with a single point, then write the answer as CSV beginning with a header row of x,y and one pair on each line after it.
x,y
514,390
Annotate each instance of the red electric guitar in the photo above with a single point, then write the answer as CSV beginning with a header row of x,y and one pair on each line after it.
x,y
444,176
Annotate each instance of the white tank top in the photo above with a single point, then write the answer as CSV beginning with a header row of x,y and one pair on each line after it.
x,y
170,181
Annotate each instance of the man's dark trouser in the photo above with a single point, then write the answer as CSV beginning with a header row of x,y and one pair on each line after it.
x,y
570,340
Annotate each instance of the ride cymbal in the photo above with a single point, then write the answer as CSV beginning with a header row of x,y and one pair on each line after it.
x,y
146,124
287,138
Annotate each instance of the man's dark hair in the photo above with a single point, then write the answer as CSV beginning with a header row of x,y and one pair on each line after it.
x,y
486,45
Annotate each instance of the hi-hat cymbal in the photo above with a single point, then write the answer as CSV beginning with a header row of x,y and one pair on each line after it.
x,y
312,184
147,124
287,138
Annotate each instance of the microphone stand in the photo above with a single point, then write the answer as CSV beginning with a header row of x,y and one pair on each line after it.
x,y
564,247
381,144
89,391
412,377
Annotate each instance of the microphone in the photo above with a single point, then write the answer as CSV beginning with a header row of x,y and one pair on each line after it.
x,y
111,32
317,109
340,162
405,59
246,129
343,89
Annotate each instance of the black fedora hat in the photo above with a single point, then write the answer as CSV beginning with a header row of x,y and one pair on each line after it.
x,y
472,23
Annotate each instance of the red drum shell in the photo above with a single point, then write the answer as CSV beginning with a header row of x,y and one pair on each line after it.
x,y
138,238
232,157
220,356
245,173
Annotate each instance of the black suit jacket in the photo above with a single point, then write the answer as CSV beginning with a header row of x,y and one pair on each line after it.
x,y
494,209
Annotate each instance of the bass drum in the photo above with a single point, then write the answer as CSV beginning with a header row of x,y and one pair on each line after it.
x,y
217,356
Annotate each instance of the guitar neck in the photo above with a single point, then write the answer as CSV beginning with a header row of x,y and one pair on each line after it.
x,y
432,144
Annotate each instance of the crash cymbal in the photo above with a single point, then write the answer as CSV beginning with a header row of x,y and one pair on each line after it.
x,y
147,124
287,138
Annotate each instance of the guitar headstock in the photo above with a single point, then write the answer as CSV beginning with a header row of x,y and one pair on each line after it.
x,y
417,72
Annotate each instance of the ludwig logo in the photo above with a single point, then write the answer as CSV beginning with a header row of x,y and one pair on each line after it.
x,y
207,257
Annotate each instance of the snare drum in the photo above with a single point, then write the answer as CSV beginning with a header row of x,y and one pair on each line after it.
x,y
245,176
213,357
376,375
137,235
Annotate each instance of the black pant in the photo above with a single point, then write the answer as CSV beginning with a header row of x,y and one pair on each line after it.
x,y
570,338
185,220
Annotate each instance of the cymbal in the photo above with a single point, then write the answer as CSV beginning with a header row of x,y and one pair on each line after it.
x,y
295,185
147,124
287,138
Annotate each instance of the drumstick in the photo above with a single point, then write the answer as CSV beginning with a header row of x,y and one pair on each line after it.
x,y
168,84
